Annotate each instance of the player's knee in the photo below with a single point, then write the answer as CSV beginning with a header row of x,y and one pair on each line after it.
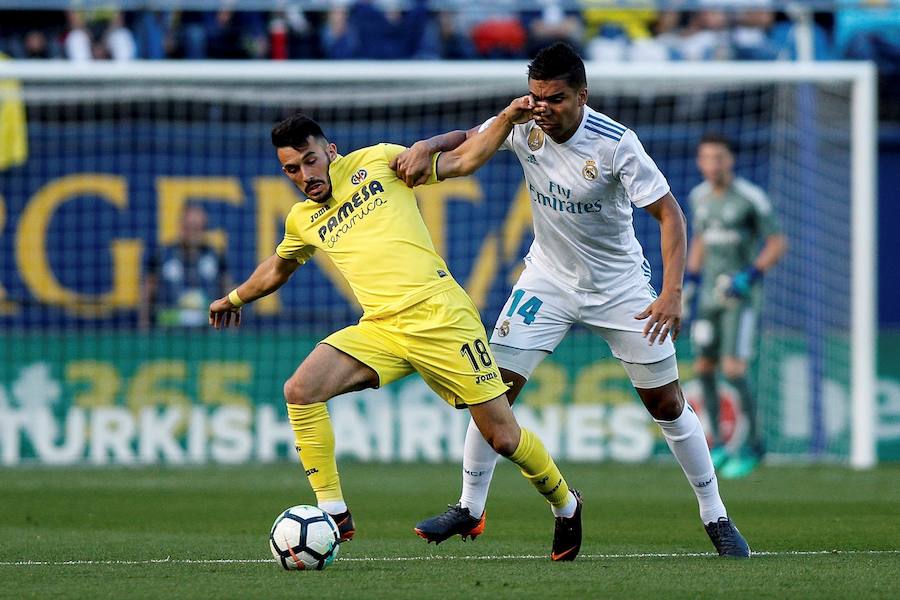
x,y
665,403
295,392
504,441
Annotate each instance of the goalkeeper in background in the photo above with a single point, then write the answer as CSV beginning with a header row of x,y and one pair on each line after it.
x,y
731,219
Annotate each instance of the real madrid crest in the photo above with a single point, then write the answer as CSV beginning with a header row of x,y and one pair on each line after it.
x,y
535,138
590,171
503,330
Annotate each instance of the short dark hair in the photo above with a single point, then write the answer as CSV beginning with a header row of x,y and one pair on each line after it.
x,y
294,131
716,138
559,61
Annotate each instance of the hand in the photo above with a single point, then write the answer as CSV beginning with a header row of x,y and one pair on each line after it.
x,y
742,283
663,318
222,312
519,110
413,166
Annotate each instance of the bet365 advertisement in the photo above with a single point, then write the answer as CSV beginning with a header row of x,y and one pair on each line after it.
x,y
215,397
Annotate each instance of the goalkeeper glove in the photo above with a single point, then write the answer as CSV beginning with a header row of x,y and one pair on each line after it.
x,y
742,282
689,296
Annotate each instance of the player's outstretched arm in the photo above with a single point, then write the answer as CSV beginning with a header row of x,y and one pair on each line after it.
x,y
269,275
664,314
477,149
413,165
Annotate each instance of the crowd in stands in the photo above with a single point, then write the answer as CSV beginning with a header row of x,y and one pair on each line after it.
x,y
378,29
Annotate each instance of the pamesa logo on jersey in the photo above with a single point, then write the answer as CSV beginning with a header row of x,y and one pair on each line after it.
x,y
347,214
358,177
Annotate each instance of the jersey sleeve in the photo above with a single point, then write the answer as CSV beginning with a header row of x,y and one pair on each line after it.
x,y
767,222
292,247
507,143
765,219
642,179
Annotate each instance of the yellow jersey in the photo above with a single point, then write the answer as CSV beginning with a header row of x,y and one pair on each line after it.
x,y
372,230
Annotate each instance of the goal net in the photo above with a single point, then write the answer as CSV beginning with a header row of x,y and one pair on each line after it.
x,y
105,357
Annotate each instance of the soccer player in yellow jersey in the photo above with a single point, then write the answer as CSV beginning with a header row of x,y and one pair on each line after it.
x,y
416,317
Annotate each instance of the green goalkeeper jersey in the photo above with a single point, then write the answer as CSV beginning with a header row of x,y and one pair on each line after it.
x,y
732,227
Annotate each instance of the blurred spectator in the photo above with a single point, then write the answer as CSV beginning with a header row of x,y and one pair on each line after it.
x,y
118,39
495,29
553,24
151,33
192,34
78,40
31,34
752,36
183,278
375,30
339,40
303,40
98,35
223,34
706,37
232,35
36,45
444,38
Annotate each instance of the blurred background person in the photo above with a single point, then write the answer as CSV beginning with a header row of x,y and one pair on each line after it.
x,y
181,279
731,219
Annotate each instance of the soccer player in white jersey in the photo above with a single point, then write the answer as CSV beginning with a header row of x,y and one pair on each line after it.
x,y
584,172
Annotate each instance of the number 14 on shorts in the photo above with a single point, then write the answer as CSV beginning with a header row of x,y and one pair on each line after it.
x,y
528,310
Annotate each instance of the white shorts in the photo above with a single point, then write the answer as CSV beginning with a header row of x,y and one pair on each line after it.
x,y
540,311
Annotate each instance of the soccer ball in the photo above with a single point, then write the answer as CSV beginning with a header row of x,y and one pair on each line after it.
x,y
304,537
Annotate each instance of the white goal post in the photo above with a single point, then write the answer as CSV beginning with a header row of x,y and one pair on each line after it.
x,y
632,79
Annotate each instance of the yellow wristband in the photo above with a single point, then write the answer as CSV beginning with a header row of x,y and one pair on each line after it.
x,y
235,299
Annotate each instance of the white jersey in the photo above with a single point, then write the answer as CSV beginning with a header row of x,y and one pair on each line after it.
x,y
581,196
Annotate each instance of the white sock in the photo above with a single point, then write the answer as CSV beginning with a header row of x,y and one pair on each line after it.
x,y
479,460
688,443
333,507
568,509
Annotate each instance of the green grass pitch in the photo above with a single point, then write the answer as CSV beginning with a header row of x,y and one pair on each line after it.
x,y
821,532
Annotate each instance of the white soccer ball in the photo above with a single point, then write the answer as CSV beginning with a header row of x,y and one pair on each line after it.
x,y
304,537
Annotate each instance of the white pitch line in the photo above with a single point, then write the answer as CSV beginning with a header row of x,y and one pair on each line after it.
x,y
217,561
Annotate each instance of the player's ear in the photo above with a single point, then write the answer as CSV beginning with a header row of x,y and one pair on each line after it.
x,y
582,96
331,149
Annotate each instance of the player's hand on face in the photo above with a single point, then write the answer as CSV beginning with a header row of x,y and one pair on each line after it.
x,y
413,166
663,318
222,313
519,110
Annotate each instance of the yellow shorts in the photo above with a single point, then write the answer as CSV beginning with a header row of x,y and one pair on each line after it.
x,y
441,337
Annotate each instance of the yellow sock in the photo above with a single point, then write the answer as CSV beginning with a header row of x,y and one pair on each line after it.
x,y
538,468
315,447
